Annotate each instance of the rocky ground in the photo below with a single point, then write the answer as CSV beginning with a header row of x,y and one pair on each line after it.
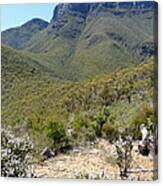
x,y
94,162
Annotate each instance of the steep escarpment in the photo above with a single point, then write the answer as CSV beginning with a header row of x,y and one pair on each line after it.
x,y
84,40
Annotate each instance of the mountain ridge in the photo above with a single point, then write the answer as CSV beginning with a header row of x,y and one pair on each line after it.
x,y
17,37
80,35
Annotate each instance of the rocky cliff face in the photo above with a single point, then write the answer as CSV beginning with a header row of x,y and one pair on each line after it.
x,y
62,15
86,8
86,39
62,9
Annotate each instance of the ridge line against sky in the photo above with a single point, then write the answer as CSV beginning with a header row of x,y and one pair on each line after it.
x,y
14,15
59,1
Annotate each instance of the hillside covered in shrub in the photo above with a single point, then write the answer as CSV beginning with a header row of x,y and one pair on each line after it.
x,y
88,75
91,108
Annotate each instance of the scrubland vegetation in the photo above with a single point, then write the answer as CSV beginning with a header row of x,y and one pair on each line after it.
x,y
87,75
102,107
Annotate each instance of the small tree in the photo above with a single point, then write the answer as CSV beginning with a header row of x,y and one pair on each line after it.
x,y
124,147
101,119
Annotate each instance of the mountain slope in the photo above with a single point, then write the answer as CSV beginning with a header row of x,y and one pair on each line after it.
x,y
117,37
22,77
19,37
90,39
121,100
87,75
28,91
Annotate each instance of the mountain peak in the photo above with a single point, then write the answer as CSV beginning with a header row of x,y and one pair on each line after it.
x,y
36,21
18,37
64,8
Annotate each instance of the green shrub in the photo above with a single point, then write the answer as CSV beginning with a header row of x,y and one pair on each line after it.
x,y
79,122
56,132
100,119
110,132
147,116
84,129
90,134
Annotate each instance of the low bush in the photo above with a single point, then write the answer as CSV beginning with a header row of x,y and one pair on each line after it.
x,y
84,129
110,132
147,116
56,132
90,134
16,155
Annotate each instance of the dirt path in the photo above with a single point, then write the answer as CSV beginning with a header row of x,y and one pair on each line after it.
x,y
94,161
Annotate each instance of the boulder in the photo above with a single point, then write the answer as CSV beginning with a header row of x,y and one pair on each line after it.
x,y
47,153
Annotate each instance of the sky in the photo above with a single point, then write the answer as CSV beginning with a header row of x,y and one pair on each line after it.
x,y
17,14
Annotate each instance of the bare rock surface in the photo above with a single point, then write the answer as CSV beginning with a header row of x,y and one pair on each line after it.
x,y
97,161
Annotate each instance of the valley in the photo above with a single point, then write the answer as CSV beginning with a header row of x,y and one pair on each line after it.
x,y
82,88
